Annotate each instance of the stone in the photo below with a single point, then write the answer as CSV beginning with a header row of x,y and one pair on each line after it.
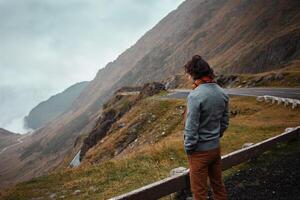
x,y
278,76
76,192
258,79
93,189
52,196
121,125
178,170
269,77
289,129
247,145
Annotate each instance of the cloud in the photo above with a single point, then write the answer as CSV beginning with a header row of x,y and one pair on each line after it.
x,y
49,45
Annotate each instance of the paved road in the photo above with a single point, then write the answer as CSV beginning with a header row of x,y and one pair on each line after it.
x,y
293,93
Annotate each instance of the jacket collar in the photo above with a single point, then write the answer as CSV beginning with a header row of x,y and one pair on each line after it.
x,y
204,79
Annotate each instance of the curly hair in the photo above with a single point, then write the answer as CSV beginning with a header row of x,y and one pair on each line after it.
x,y
197,68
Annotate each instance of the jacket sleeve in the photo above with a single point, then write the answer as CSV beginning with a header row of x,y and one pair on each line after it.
x,y
225,118
191,124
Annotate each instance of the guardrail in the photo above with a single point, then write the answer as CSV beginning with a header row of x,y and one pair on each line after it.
x,y
180,182
285,101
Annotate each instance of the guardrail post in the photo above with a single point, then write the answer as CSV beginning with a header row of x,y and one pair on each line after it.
x,y
184,193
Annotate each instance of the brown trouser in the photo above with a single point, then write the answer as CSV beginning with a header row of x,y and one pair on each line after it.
x,y
203,164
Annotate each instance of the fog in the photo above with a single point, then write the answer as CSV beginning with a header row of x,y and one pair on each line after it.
x,y
46,46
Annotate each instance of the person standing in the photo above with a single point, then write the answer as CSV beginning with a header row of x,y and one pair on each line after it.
x,y
205,120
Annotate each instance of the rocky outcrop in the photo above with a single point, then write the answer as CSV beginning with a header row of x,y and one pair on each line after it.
x,y
103,125
129,89
227,80
150,89
172,82
113,110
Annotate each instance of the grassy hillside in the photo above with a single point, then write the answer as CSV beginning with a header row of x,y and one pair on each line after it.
x,y
157,148
7,138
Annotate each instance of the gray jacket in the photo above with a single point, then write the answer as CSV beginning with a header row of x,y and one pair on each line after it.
x,y
207,117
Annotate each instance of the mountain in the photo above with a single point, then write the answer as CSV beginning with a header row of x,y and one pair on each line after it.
x,y
4,132
234,36
54,106
7,138
146,143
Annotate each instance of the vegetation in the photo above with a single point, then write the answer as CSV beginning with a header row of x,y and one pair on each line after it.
x,y
153,154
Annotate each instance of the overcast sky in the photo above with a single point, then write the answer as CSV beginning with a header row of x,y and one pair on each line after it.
x,y
48,45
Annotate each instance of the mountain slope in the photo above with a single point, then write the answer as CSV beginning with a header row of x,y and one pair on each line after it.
x,y
7,138
233,35
54,106
146,143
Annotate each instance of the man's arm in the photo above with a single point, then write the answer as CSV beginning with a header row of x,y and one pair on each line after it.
x,y
191,124
225,119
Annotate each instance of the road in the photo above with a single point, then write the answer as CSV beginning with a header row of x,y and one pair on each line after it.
x,y
293,93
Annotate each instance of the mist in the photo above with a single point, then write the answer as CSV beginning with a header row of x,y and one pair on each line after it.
x,y
46,46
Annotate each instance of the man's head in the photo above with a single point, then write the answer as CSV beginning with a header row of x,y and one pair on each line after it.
x,y
198,68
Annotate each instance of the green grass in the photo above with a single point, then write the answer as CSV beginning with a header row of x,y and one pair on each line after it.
x,y
147,163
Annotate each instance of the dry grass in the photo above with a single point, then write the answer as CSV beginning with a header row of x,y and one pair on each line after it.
x,y
148,162
146,123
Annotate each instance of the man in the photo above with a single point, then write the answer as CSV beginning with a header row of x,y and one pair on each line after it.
x,y
205,122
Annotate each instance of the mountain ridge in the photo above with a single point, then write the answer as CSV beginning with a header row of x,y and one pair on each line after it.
x,y
47,110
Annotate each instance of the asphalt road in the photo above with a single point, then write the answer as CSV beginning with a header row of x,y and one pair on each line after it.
x,y
293,93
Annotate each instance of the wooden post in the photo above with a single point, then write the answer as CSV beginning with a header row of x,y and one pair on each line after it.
x,y
184,193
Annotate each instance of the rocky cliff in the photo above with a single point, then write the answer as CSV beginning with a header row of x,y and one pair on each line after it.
x,y
114,109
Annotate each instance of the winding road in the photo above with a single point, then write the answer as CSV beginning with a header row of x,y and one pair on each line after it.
x,y
293,93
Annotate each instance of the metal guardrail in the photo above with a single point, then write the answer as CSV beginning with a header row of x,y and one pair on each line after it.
x,y
285,101
180,182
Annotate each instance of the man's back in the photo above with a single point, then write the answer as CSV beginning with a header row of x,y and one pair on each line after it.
x,y
207,117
